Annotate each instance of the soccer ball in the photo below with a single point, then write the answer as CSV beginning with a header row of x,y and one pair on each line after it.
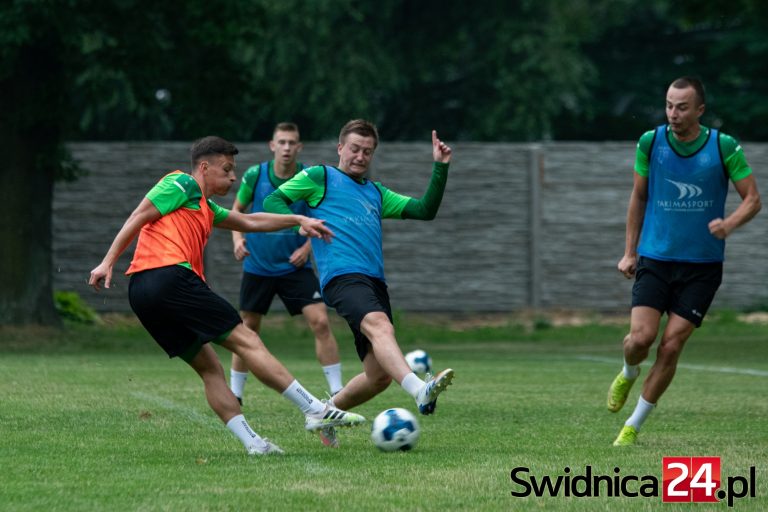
x,y
419,361
395,429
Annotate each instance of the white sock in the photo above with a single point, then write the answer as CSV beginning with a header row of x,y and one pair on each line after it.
x,y
333,376
245,433
237,382
412,384
304,400
642,410
631,371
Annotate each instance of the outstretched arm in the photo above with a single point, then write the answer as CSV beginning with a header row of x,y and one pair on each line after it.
x,y
275,222
145,213
278,202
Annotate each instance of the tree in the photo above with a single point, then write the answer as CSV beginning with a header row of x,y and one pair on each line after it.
x,y
32,80
70,66
648,44
138,69
492,70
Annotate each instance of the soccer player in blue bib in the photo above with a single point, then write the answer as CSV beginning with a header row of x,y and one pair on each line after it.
x,y
277,263
352,267
675,240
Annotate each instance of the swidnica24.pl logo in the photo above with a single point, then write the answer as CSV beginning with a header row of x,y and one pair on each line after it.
x,y
684,479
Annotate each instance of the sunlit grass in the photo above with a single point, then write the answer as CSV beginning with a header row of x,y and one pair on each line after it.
x,y
98,418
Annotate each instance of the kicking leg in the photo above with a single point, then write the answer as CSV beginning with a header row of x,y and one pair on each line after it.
x,y
225,404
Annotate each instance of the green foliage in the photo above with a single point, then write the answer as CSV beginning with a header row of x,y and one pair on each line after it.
x,y
72,308
492,70
649,44
542,323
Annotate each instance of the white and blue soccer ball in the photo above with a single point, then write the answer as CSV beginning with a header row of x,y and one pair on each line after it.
x,y
395,429
419,361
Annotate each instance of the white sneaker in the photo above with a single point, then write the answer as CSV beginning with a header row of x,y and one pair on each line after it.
x,y
332,417
427,399
269,448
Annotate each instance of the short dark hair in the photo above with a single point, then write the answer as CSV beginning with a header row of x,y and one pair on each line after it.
x,y
361,127
286,126
211,145
689,81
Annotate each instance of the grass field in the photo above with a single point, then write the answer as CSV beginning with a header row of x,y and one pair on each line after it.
x,y
97,418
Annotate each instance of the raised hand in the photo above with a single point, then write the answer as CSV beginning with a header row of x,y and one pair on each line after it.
x,y
441,152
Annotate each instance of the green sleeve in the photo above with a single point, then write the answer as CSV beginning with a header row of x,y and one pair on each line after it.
x,y
307,185
247,184
392,203
174,191
641,155
219,213
734,159
425,208
277,202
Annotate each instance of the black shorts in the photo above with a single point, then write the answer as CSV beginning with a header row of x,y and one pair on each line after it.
x,y
296,290
354,296
686,289
179,310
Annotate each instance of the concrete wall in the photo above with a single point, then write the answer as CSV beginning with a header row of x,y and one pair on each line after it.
x,y
521,225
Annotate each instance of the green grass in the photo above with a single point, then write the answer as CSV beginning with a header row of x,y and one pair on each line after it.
x,y
97,418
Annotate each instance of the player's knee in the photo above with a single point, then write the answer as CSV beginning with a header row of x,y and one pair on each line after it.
x,y
641,337
377,326
208,368
245,340
320,326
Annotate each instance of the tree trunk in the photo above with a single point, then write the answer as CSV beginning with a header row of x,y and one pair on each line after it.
x,y
29,130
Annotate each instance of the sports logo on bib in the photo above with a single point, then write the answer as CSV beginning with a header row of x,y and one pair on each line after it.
x,y
370,217
686,189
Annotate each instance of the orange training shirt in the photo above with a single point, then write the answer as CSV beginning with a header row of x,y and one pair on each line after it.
x,y
179,236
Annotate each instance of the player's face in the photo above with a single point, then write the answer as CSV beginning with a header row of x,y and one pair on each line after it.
x,y
355,154
683,112
285,146
219,173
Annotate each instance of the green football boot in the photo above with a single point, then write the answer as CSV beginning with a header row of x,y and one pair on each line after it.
x,y
619,391
627,436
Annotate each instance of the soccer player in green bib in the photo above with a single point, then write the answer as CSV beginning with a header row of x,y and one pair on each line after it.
x,y
675,240
352,266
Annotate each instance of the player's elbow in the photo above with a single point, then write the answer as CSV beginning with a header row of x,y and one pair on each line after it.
x,y
427,212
